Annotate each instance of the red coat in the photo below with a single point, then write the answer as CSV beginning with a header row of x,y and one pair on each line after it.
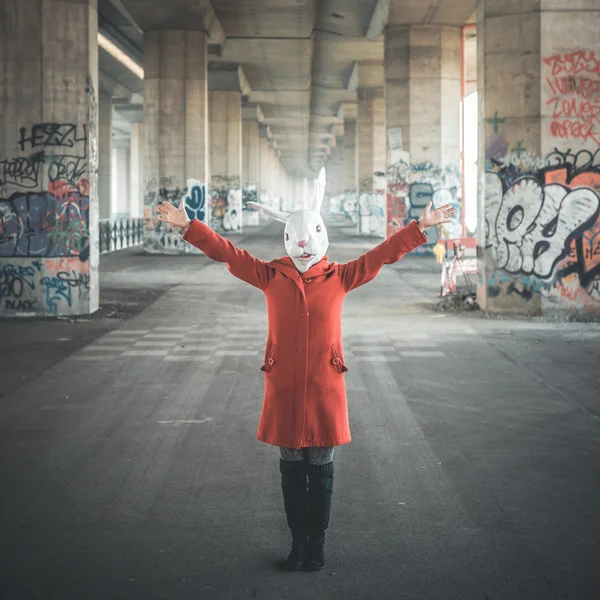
x,y
305,394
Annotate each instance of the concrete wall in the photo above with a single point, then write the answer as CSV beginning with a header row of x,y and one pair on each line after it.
x,y
48,158
539,224
225,113
175,133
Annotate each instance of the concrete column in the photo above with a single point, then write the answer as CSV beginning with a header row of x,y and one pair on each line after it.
x,y
539,203
135,180
175,132
263,151
48,158
251,115
225,109
371,136
422,79
121,187
348,198
105,113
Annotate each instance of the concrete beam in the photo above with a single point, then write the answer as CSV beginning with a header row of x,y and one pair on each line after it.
x,y
252,112
214,29
228,78
379,20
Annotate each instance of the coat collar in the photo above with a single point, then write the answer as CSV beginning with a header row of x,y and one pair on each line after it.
x,y
286,265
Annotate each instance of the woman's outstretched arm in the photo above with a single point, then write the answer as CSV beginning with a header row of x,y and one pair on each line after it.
x,y
239,262
366,267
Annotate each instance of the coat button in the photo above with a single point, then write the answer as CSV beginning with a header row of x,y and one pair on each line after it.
x,y
336,361
271,361
307,280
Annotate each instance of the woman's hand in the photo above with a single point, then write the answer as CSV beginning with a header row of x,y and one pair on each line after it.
x,y
174,216
437,216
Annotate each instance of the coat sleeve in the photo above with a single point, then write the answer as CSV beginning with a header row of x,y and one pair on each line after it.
x,y
239,262
366,267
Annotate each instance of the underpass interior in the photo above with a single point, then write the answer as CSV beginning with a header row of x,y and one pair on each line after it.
x,y
131,386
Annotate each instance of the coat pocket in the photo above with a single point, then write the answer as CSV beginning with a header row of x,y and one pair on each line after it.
x,y
269,360
337,361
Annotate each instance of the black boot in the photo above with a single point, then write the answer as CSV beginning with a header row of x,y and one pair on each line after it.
x,y
293,485
320,490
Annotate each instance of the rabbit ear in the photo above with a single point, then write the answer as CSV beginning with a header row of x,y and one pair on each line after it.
x,y
320,190
278,215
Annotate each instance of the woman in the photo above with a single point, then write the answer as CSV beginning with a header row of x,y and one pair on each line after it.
x,y
304,409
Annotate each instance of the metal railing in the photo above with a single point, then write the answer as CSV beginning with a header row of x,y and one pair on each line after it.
x,y
121,234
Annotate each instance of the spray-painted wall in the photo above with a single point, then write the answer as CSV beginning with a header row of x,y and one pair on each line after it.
x,y
226,204
250,217
410,186
49,218
540,248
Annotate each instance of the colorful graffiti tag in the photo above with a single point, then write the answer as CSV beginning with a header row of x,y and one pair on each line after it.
x,y
542,230
573,90
411,186
250,216
48,259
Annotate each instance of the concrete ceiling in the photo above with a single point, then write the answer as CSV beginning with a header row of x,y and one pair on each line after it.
x,y
298,56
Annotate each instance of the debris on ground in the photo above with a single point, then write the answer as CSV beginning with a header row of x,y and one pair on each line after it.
x,y
458,303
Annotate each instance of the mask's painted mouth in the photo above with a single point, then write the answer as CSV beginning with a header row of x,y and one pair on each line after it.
x,y
306,257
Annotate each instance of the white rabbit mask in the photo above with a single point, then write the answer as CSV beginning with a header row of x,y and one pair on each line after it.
x,y
305,236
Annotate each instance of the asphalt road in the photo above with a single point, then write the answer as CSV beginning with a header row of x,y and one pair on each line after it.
x,y
129,467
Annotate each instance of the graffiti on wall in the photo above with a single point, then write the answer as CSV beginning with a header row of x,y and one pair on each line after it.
x,y
411,186
47,285
542,230
226,204
345,205
573,91
48,258
250,216
160,237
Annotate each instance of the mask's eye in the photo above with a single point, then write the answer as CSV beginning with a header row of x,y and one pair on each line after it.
x,y
318,229
287,237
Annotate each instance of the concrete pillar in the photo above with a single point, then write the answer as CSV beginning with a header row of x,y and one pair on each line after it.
x,y
175,132
348,198
105,113
539,203
251,115
121,187
225,109
371,136
422,79
263,151
135,180
48,158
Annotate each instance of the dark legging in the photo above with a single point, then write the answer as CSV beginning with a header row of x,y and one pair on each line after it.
x,y
313,455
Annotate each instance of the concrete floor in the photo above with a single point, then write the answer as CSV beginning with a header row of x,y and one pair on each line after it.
x,y
129,467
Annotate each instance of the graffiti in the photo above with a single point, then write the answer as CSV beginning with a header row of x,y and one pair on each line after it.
x,y
226,181
42,224
529,228
495,122
371,213
16,279
397,177
411,186
226,210
542,231
250,216
59,288
440,185
195,200
23,172
574,95
60,147
160,237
